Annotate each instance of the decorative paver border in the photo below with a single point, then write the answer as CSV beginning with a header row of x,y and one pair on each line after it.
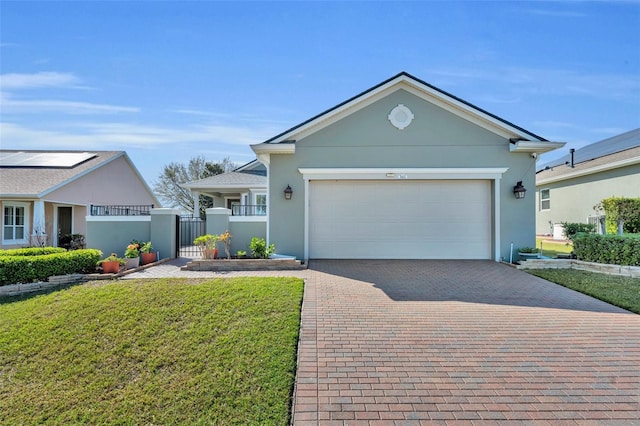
x,y
622,270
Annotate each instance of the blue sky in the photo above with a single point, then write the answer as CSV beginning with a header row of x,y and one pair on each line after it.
x,y
170,80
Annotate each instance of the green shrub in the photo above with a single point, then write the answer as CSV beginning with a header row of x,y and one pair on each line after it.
x,y
26,269
570,230
32,251
259,248
612,249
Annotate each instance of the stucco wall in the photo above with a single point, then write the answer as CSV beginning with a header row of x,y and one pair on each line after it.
x,y
572,200
435,138
113,183
113,234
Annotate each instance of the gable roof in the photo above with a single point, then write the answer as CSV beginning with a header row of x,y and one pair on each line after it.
x,y
419,87
605,147
36,181
229,180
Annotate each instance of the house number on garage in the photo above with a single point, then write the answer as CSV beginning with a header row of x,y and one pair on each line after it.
x,y
400,117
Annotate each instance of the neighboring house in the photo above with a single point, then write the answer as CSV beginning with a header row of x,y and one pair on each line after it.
x,y
243,191
45,195
403,170
567,189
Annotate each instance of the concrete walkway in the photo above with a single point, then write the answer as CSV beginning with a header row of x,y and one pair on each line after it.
x,y
428,342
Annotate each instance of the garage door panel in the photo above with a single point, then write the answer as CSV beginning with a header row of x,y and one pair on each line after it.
x,y
400,219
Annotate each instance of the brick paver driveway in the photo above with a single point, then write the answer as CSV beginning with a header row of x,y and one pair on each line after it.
x,y
415,342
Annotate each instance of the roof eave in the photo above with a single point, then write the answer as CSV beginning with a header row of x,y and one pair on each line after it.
x,y
597,169
537,147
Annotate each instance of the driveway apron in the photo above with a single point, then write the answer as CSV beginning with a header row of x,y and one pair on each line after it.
x,y
422,342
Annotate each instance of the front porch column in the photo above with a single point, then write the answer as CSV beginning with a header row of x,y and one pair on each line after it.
x,y
39,233
196,203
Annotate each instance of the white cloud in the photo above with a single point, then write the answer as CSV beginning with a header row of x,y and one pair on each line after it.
x,y
519,81
10,106
108,136
556,13
38,80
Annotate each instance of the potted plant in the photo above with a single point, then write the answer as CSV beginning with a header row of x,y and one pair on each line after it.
x,y
207,244
241,254
146,254
132,256
226,240
111,264
528,253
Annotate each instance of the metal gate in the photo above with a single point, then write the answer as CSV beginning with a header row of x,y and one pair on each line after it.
x,y
189,228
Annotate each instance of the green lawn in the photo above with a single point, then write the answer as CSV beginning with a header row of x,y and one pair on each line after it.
x,y
171,351
552,248
620,291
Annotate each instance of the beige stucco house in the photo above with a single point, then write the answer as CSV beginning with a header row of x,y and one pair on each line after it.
x,y
45,195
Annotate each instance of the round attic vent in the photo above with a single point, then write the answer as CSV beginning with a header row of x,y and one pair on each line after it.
x,y
400,117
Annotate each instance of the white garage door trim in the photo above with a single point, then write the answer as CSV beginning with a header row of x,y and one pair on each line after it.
x,y
493,174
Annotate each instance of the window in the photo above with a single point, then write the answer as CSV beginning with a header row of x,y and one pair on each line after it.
x,y
545,199
261,204
14,227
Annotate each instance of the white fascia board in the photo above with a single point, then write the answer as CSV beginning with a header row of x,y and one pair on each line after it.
x,y
585,172
401,173
118,218
274,148
535,146
229,187
264,150
418,89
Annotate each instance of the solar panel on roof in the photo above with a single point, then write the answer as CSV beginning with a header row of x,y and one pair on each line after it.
x,y
44,159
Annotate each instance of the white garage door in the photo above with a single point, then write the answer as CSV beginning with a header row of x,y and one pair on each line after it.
x,y
433,219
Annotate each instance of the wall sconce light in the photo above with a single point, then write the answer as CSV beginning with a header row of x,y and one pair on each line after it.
x,y
519,190
288,192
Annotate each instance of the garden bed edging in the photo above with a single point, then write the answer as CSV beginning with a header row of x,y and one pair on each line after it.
x,y
622,270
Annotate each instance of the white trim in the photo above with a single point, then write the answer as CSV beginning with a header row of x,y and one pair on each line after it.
x,y
401,174
118,218
27,220
248,219
306,220
429,94
496,219
263,151
540,199
596,169
535,146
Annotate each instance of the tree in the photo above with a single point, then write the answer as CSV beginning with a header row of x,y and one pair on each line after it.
x,y
622,214
169,184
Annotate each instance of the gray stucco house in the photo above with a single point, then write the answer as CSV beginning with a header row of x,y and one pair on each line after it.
x,y
568,188
402,170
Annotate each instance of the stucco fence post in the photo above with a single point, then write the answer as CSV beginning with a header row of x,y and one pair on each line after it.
x,y
164,232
